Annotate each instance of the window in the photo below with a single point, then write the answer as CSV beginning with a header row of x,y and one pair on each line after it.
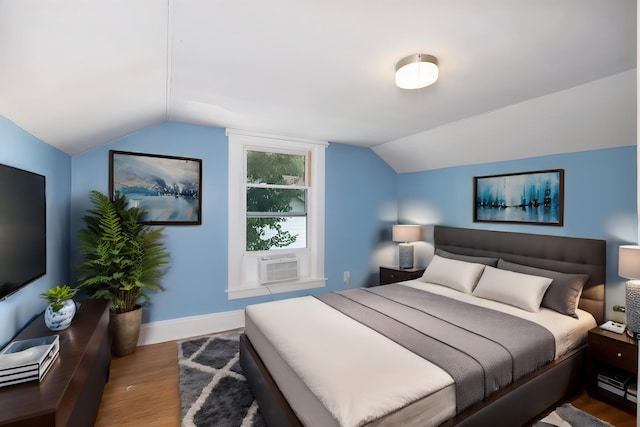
x,y
276,200
276,214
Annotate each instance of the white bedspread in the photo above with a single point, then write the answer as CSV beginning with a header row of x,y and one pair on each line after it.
x,y
360,375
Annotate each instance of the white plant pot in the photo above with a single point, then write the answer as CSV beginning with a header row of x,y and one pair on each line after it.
x,y
61,319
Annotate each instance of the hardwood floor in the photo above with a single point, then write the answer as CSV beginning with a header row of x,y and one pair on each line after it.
x,y
143,388
603,411
143,391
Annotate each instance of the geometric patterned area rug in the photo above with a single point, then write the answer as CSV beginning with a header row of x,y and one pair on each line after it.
x,y
569,416
213,390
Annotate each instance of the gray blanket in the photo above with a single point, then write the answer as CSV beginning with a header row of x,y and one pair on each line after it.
x,y
483,350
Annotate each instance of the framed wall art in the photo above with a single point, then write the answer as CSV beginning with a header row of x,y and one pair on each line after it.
x,y
523,198
168,188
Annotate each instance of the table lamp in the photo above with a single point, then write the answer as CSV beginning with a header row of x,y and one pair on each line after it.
x,y
406,234
629,267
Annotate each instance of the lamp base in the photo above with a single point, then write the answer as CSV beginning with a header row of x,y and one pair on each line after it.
x,y
406,255
634,335
632,297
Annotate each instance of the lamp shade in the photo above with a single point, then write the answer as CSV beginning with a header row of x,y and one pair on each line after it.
x,y
406,233
416,71
629,261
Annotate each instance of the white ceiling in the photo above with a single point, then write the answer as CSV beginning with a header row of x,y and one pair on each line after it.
x,y
79,73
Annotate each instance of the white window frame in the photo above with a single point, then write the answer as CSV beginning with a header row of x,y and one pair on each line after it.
x,y
243,264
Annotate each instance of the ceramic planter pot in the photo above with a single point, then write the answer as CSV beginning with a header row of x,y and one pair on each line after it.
x,y
126,331
61,319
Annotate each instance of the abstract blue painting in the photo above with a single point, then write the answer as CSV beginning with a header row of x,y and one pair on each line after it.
x,y
527,197
168,188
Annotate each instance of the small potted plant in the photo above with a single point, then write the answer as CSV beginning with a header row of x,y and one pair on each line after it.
x,y
61,308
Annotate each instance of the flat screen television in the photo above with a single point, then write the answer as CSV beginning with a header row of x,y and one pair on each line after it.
x,y
23,229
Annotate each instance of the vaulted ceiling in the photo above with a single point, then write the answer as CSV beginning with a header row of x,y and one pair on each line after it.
x,y
79,73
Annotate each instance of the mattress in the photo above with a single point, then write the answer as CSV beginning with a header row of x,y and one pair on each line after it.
x,y
335,371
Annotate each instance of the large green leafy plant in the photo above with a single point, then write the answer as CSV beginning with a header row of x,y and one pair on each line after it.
x,y
123,259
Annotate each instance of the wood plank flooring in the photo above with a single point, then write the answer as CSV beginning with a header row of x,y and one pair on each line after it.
x,y
603,411
143,391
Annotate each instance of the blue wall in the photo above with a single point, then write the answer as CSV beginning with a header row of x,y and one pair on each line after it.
x,y
196,280
360,210
600,200
22,150
358,185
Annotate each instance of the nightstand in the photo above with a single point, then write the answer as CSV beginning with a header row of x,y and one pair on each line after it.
x,y
609,350
397,274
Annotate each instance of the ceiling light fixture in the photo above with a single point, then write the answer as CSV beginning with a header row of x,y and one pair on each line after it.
x,y
416,71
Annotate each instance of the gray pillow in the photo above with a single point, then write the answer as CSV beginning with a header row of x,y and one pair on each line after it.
x,y
468,258
563,295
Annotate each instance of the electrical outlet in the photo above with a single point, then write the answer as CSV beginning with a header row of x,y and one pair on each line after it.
x,y
346,277
619,314
619,308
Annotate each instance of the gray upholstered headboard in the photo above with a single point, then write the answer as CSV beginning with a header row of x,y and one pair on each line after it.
x,y
564,254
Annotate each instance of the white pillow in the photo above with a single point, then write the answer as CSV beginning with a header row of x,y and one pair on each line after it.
x,y
458,275
517,289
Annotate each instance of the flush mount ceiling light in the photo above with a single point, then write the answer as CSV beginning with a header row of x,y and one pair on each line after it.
x,y
416,71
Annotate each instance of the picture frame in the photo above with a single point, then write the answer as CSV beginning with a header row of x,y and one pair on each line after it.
x,y
523,198
168,188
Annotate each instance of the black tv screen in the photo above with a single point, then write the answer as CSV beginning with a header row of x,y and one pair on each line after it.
x,y
23,229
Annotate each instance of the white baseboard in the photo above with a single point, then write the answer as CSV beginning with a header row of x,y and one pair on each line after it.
x,y
192,326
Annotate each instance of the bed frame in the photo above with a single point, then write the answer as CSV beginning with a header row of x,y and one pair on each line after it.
x,y
530,396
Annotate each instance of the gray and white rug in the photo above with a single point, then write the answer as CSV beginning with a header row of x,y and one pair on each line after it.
x,y
569,416
213,391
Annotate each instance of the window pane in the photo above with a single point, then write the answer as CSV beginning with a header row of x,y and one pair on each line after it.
x,y
276,200
276,233
275,168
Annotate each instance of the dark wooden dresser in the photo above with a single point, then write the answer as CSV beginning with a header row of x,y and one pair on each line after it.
x,y
70,393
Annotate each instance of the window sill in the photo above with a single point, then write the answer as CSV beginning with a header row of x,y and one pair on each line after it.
x,y
276,288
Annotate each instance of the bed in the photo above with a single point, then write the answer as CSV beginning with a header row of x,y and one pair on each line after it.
x,y
410,378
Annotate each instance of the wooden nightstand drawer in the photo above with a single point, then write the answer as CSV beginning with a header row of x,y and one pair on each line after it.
x,y
395,274
614,353
611,352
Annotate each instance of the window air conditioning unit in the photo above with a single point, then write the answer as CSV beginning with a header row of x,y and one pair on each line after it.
x,y
277,268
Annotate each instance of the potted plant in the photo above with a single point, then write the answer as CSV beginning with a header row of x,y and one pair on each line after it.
x,y
61,309
123,260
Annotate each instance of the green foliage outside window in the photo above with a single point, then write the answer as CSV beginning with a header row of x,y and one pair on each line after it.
x,y
271,169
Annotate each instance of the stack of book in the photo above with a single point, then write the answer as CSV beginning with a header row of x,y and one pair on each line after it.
x,y
614,381
632,392
28,360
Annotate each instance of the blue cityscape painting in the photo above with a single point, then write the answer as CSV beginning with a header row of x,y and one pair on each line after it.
x,y
530,197
168,188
